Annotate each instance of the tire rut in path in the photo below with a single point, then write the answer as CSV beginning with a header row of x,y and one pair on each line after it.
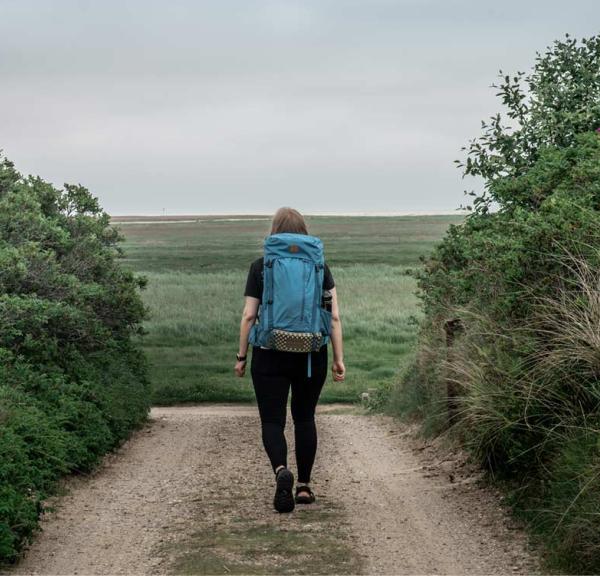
x,y
196,479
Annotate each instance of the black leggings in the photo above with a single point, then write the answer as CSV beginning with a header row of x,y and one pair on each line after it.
x,y
272,374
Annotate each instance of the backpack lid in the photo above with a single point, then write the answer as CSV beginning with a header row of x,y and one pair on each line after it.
x,y
290,245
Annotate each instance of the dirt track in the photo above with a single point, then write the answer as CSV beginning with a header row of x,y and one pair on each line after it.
x,y
191,493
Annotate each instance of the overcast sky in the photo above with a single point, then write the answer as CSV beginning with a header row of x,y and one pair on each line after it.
x,y
243,106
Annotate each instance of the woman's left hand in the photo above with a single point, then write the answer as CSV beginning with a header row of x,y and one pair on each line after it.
x,y
240,368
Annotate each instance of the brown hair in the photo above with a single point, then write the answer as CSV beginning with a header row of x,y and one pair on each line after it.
x,y
288,220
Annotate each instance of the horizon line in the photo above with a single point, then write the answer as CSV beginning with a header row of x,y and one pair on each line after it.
x,y
361,213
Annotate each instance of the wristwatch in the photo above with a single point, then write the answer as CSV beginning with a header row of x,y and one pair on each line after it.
x,y
241,358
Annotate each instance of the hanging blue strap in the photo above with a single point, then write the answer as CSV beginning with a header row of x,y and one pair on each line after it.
x,y
309,365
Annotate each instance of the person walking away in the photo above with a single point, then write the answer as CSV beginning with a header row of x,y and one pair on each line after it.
x,y
290,314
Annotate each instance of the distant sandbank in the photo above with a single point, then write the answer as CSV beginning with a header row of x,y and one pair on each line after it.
x,y
182,218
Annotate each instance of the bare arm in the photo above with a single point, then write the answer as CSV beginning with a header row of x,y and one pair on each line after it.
x,y
338,368
248,319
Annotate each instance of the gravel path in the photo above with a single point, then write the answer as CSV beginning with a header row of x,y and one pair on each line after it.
x,y
191,492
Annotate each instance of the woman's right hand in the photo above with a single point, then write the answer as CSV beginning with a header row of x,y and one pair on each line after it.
x,y
240,368
339,370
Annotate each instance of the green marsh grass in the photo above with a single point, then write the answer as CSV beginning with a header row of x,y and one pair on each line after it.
x,y
197,273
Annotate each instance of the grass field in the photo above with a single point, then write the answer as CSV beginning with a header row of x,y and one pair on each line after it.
x,y
197,271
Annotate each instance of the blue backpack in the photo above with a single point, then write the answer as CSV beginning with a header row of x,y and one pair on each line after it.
x,y
291,317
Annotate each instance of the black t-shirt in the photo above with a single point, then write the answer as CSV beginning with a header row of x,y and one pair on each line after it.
x,y
254,283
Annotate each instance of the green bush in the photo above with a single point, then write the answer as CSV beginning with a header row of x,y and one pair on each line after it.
x,y
527,365
521,276
72,383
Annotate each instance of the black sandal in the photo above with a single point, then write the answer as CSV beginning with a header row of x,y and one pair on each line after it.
x,y
284,501
304,499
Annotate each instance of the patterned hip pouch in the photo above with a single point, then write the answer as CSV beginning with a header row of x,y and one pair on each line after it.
x,y
295,341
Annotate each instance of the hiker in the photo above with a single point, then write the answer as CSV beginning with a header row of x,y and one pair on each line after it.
x,y
290,313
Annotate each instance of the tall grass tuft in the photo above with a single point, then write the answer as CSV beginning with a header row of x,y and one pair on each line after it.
x,y
570,322
566,373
